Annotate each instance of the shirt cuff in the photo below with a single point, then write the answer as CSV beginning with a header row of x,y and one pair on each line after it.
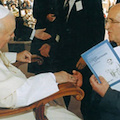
x,y
11,56
53,76
32,35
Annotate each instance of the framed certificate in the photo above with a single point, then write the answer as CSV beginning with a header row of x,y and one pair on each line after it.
x,y
103,61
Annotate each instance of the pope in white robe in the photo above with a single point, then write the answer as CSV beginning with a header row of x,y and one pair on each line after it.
x,y
16,90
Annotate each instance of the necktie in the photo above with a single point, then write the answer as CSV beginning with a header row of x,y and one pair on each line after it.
x,y
66,9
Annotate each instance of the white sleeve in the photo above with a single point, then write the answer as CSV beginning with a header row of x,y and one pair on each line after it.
x,y
11,56
32,34
36,88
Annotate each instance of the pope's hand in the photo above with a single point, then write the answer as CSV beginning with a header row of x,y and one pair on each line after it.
x,y
24,56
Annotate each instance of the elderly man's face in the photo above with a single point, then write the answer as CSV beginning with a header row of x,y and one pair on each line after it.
x,y
7,31
113,25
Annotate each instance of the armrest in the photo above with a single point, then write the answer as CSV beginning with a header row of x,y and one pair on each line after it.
x,y
65,89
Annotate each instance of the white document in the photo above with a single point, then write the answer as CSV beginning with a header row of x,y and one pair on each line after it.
x,y
103,61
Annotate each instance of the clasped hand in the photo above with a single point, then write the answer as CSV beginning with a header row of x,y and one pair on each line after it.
x,y
75,78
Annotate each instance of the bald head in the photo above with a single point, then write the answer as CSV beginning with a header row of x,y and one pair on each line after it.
x,y
7,26
116,10
116,6
113,24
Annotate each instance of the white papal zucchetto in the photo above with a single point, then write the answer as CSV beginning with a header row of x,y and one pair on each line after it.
x,y
3,12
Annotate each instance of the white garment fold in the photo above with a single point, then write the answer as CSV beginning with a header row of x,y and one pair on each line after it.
x,y
36,88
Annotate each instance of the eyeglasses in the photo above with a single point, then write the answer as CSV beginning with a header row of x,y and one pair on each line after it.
x,y
110,20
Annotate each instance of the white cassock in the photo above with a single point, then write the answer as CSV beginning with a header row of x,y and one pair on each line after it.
x,y
30,91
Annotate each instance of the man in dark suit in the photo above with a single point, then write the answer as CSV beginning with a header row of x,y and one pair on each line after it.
x,y
45,11
81,29
107,106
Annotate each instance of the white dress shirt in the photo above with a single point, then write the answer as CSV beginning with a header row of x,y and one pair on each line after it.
x,y
71,3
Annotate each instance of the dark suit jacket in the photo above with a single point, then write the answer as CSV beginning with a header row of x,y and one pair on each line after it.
x,y
41,9
108,107
22,32
84,29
